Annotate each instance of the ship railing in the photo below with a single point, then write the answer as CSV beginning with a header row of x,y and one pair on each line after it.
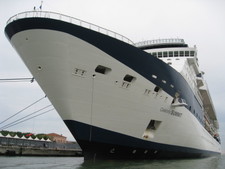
x,y
69,19
207,118
159,41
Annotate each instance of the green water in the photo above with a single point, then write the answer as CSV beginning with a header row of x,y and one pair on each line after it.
x,y
78,163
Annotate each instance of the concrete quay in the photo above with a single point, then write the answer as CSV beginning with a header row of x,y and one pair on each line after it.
x,y
26,147
33,151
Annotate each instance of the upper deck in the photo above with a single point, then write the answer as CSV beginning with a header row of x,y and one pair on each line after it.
x,y
177,54
69,19
161,43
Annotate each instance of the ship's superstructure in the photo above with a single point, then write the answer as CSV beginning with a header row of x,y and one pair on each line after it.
x,y
119,99
184,59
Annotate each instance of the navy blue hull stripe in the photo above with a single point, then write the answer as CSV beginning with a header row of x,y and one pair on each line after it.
x,y
101,143
138,60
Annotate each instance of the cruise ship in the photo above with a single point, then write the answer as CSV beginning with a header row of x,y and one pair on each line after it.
x,y
119,99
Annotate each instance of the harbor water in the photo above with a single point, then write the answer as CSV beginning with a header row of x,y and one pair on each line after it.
x,y
79,163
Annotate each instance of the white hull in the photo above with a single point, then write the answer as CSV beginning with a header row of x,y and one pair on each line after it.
x,y
64,66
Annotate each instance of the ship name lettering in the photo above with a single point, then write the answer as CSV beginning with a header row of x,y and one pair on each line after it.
x,y
171,112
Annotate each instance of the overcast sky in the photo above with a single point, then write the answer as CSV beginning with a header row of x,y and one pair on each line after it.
x,y
198,22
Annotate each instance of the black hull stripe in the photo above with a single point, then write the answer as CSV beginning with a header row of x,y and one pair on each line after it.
x,y
138,60
100,143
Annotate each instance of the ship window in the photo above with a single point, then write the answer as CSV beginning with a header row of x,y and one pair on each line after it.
x,y
154,54
165,54
192,53
159,54
151,125
176,54
129,78
154,76
39,67
151,128
157,88
102,69
170,54
186,53
181,53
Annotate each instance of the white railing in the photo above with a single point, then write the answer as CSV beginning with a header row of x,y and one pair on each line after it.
x,y
159,41
69,19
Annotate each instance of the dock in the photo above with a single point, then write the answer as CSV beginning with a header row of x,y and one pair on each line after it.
x,y
25,147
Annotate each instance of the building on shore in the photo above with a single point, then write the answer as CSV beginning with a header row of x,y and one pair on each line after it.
x,y
57,138
35,147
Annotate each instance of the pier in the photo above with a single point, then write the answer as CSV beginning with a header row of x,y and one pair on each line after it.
x,y
26,147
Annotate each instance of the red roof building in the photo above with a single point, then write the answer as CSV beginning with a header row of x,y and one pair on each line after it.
x,y
57,138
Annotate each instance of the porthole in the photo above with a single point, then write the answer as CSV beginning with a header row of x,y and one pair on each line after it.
x,y
39,68
112,150
157,88
154,76
102,69
129,78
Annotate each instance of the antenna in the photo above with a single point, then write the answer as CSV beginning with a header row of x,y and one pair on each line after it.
x,y
41,5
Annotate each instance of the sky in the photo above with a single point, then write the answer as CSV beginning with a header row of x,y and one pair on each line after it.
x,y
198,22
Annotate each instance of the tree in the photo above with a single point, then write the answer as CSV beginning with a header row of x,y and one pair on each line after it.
x,y
5,132
33,136
46,137
40,136
12,133
19,134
